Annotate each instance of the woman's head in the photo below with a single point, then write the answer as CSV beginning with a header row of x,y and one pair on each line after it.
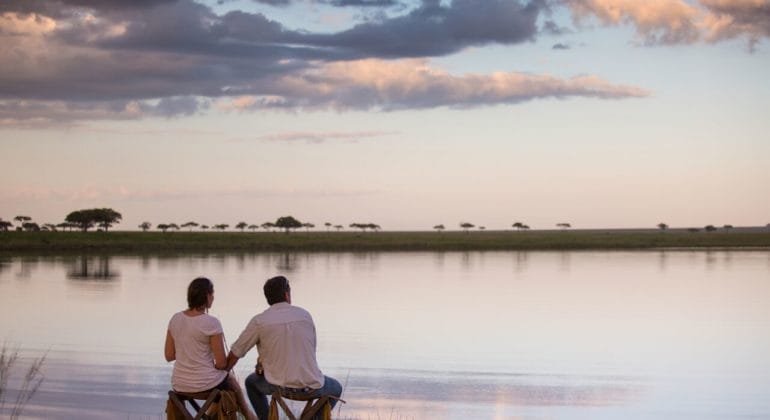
x,y
198,293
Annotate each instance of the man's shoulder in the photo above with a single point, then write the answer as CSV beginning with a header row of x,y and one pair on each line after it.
x,y
282,312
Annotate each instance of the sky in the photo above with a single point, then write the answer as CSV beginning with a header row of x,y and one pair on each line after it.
x,y
404,113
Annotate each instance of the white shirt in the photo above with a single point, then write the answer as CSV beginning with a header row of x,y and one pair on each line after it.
x,y
286,341
194,369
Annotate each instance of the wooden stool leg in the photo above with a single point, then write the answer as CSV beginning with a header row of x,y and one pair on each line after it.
x,y
179,404
210,400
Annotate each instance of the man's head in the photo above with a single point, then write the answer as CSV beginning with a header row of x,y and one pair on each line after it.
x,y
277,290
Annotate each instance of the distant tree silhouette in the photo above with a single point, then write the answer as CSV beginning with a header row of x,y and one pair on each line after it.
x,y
482,228
439,228
88,218
4,225
268,225
163,227
662,226
30,227
22,219
564,226
253,227
710,228
340,227
524,227
173,226
308,226
466,226
145,225
49,227
221,226
190,225
66,225
241,226
727,228
205,227
361,226
287,223
518,225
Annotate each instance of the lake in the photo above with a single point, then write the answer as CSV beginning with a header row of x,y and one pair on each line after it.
x,y
450,335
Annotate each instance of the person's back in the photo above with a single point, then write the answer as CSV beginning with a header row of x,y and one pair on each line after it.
x,y
287,346
194,370
285,338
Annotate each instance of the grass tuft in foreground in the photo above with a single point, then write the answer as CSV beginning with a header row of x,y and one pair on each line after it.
x,y
29,385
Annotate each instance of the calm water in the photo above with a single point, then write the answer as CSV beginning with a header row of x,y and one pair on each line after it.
x,y
481,335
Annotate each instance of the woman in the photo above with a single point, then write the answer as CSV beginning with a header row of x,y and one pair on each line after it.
x,y
195,342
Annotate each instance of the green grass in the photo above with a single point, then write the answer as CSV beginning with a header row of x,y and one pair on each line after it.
x,y
42,242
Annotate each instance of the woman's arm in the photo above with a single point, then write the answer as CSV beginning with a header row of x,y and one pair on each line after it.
x,y
170,350
217,343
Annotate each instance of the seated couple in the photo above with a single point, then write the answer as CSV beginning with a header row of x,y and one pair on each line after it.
x,y
285,338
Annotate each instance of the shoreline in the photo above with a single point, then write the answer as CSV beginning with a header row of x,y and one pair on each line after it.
x,y
547,240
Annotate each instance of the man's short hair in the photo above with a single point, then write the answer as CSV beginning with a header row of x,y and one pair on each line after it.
x,y
276,289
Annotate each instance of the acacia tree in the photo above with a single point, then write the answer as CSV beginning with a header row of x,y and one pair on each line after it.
x,y
221,226
163,227
662,226
145,226
241,226
727,228
22,219
439,228
173,226
340,227
564,226
328,225
190,225
466,226
268,225
88,218
4,225
253,227
308,226
205,227
518,225
710,228
287,223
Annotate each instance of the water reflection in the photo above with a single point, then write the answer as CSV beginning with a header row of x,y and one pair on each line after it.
x,y
92,268
466,334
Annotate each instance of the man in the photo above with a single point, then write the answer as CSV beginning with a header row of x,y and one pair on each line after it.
x,y
286,341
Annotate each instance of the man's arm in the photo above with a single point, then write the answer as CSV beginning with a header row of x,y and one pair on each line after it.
x,y
231,361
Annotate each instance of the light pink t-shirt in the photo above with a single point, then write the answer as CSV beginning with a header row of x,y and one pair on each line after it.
x,y
194,369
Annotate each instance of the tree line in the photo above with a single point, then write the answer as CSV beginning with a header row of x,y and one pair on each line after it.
x,y
101,218
105,218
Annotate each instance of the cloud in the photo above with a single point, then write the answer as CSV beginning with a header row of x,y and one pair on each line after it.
x,y
434,29
733,18
40,114
76,60
656,21
321,137
665,22
413,84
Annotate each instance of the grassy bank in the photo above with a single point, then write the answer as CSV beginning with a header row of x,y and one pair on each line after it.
x,y
43,242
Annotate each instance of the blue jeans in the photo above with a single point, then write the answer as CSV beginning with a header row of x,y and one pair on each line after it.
x,y
258,389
